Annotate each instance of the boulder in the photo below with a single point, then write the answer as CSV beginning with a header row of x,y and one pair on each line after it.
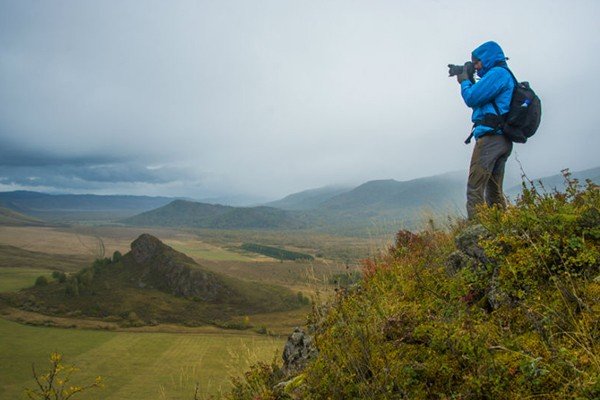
x,y
468,242
298,350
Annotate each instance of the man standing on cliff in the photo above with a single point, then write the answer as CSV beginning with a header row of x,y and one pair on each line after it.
x,y
489,98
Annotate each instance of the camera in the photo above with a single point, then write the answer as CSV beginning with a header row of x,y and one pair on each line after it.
x,y
454,70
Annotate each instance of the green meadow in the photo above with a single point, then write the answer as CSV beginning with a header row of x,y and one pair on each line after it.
x,y
146,364
205,251
18,278
133,365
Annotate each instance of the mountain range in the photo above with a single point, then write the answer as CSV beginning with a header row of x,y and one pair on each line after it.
x,y
78,207
380,202
181,213
384,204
10,217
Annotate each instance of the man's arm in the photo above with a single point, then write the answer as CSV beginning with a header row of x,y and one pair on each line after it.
x,y
484,91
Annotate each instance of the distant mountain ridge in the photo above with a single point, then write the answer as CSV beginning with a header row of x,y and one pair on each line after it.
x,y
558,181
381,202
182,213
36,201
308,199
390,194
384,204
9,217
59,207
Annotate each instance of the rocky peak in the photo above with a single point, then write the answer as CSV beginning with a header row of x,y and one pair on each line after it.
x,y
145,247
299,349
166,269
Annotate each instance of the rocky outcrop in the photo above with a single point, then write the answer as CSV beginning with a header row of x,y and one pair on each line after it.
x,y
470,254
298,350
145,247
165,269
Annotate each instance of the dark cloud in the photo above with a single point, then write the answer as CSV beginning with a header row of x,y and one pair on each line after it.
x,y
89,175
19,155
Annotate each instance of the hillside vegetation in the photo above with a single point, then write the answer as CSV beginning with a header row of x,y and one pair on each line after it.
x,y
15,257
12,218
505,308
275,252
151,284
308,199
181,213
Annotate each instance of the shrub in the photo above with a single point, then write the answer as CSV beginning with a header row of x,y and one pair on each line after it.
x,y
41,281
56,383
72,287
116,256
100,263
302,299
257,383
59,276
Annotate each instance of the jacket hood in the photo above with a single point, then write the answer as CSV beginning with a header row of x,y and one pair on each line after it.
x,y
491,55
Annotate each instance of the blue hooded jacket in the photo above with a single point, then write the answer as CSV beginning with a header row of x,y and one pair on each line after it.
x,y
496,83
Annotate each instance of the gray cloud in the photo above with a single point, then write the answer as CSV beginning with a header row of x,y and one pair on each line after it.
x,y
77,176
270,97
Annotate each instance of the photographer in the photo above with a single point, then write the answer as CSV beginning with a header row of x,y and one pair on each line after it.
x,y
489,98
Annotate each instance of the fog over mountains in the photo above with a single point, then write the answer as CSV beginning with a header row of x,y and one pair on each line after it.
x,y
386,204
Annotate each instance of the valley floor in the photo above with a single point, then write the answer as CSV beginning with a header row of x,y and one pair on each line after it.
x,y
153,362
133,365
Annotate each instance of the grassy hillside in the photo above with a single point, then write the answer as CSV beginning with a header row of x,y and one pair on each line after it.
x,y
36,201
152,284
182,213
78,207
383,204
12,218
390,196
505,308
15,257
308,199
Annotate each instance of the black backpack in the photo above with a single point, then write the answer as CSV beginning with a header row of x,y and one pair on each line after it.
x,y
523,118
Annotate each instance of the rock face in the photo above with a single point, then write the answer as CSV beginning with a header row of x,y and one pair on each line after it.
x,y
471,255
468,242
298,350
165,269
145,247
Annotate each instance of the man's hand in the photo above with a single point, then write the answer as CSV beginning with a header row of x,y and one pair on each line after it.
x,y
464,76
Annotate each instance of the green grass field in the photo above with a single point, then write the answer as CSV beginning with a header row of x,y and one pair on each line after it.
x,y
12,279
204,251
133,365
147,365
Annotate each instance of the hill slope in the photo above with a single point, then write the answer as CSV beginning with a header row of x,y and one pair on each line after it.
x,y
504,308
390,196
153,282
180,213
308,199
12,218
61,207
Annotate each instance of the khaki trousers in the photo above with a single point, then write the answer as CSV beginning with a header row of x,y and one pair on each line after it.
x,y
487,172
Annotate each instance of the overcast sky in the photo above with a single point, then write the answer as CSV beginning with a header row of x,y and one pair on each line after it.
x,y
266,98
